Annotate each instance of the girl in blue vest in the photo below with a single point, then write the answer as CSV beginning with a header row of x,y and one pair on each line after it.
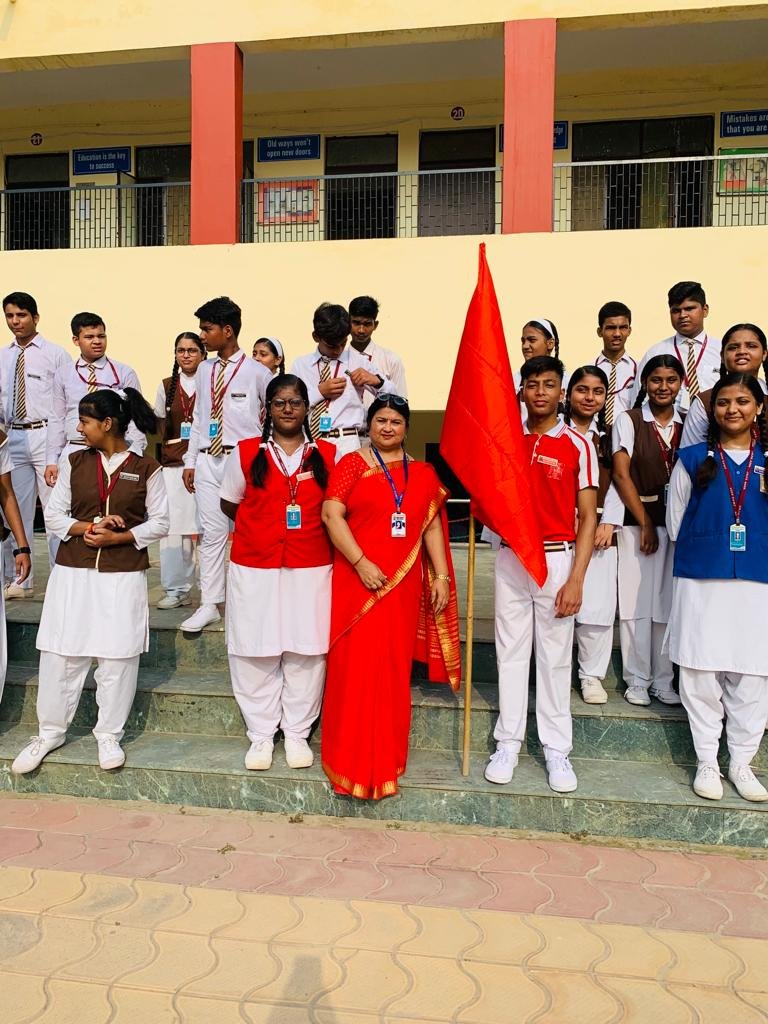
x,y
718,514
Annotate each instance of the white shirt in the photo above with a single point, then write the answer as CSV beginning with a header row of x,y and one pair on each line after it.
x,y
390,367
58,517
626,371
612,513
623,434
696,426
243,405
188,385
42,359
348,410
706,352
70,384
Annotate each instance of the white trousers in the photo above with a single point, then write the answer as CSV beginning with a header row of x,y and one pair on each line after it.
x,y
525,616
27,451
61,681
178,564
284,691
645,599
742,700
595,644
345,445
212,549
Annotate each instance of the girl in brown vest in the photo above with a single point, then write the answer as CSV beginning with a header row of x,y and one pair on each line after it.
x,y
645,442
174,405
109,504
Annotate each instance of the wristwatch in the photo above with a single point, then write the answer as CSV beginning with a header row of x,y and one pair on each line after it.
x,y
22,551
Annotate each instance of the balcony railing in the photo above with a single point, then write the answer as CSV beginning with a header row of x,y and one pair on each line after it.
x,y
682,192
406,204
94,216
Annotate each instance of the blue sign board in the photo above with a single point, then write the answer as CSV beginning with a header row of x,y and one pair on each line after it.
x,y
289,147
738,123
560,136
101,161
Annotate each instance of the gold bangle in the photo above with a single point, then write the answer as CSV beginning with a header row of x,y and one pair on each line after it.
x,y
442,576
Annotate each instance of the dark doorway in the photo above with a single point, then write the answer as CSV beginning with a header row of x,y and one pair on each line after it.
x,y
360,204
457,203
37,201
162,214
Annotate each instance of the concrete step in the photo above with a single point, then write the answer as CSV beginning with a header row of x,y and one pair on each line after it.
x,y
640,800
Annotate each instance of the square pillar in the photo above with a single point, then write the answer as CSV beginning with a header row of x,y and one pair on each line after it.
x,y
217,143
529,114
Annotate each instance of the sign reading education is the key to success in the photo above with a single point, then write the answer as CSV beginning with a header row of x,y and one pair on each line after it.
x,y
289,147
101,161
738,123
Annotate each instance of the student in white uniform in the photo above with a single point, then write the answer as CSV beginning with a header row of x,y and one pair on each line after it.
x,y
718,516
91,371
585,412
698,352
11,524
229,408
279,580
269,352
174,406
744,350
614,326
645,443
27,368
108,505
363,321
337,380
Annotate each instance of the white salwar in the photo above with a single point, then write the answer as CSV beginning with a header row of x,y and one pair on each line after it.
x,y
277,631
5,467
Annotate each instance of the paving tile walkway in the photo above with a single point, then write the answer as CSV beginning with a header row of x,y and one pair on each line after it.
x,y
142,913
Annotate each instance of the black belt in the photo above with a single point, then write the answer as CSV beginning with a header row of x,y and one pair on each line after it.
x,y
36,425
225,450
344,432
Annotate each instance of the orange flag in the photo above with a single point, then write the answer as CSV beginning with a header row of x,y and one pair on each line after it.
x,y
482,438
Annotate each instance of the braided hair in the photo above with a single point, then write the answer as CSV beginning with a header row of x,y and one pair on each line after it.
x,y
666,362
172,387
604,443
753,329
707,471
314,460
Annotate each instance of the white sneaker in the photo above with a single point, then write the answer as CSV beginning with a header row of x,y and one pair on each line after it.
x,y
560,774
637,695
13,592
174,601
34,752
259,756
707,783
298,753
747,784
502,764
592,691
111,754
204,616
666,696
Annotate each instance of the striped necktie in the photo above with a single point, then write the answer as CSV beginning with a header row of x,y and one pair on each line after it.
x,y
216,446
610,402
20,389
691,377
93,384
320,408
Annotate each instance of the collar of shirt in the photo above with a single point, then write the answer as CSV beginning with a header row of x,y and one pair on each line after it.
x,y
37,341
99,364
232,360
626,358
649,417
698,340
343,358
113,461
559,428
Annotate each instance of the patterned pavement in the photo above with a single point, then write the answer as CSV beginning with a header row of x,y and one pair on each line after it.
x,y
143,913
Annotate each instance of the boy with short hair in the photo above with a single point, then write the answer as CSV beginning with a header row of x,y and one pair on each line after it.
x,y
698,352
564,477
363,320
27,369
231,395
337,380
614,326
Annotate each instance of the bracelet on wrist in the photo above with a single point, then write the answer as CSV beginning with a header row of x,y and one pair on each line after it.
x,y
362,556
442,576
22,551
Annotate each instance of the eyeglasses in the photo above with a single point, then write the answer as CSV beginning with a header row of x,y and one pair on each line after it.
x,y
280,403
395,400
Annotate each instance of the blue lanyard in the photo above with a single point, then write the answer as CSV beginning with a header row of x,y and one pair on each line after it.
x,y
398,495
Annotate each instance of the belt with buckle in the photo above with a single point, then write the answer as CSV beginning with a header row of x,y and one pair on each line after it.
x,y
225,450
35,425
344,432
551,545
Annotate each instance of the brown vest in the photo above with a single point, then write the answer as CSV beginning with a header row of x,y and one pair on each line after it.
x,y
605,473
128,499
648,469
172,454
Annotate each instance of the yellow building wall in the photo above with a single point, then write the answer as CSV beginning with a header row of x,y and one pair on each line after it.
x,y
424,285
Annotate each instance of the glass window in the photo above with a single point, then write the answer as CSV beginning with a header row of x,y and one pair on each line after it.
x,y
351,154
163,163
44,169
457,148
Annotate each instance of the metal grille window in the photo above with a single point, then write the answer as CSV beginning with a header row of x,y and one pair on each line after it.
x,y
36,203
360,192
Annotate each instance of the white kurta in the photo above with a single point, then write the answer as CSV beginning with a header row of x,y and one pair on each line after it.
x,y
92,613
714,625
181,504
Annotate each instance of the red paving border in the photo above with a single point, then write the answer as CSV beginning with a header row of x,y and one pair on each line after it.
x,y
682,891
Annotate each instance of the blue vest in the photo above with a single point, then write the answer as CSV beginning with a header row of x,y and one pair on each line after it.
x,y
702,551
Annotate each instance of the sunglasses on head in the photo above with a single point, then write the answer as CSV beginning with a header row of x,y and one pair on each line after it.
x,y
394,400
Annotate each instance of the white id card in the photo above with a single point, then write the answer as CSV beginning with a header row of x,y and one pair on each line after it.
x,y
186,431
325,423
684,400
738,537
398,524
293,517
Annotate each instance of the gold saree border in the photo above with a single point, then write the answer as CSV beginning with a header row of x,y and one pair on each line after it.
x,y
358,790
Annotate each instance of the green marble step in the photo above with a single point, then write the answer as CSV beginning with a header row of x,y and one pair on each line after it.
x,y
202,704
635,800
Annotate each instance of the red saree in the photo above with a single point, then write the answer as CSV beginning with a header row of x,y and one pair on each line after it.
x,y
375,636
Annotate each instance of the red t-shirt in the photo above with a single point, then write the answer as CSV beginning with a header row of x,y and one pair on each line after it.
x,y
563,462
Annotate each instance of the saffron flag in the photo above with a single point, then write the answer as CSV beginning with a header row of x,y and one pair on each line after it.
x,y
482,437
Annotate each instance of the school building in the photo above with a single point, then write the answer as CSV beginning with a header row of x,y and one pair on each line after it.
x,y
156,154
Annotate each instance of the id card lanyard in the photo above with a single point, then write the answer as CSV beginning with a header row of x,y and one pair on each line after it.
x,y
398,517
105,489
737,534
214,404
326,419
187,403
292,509
115,383
667,453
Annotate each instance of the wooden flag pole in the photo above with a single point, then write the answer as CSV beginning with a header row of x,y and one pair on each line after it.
x,y
470,636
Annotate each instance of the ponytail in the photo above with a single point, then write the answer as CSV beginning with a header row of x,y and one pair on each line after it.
x,y
123,406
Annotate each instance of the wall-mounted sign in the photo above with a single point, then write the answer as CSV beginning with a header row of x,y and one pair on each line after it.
x,y
735,123
101,161
289,147
745,172
36,139
559,136
458,113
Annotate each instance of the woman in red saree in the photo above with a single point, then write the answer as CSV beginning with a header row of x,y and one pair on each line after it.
x,y
393,600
